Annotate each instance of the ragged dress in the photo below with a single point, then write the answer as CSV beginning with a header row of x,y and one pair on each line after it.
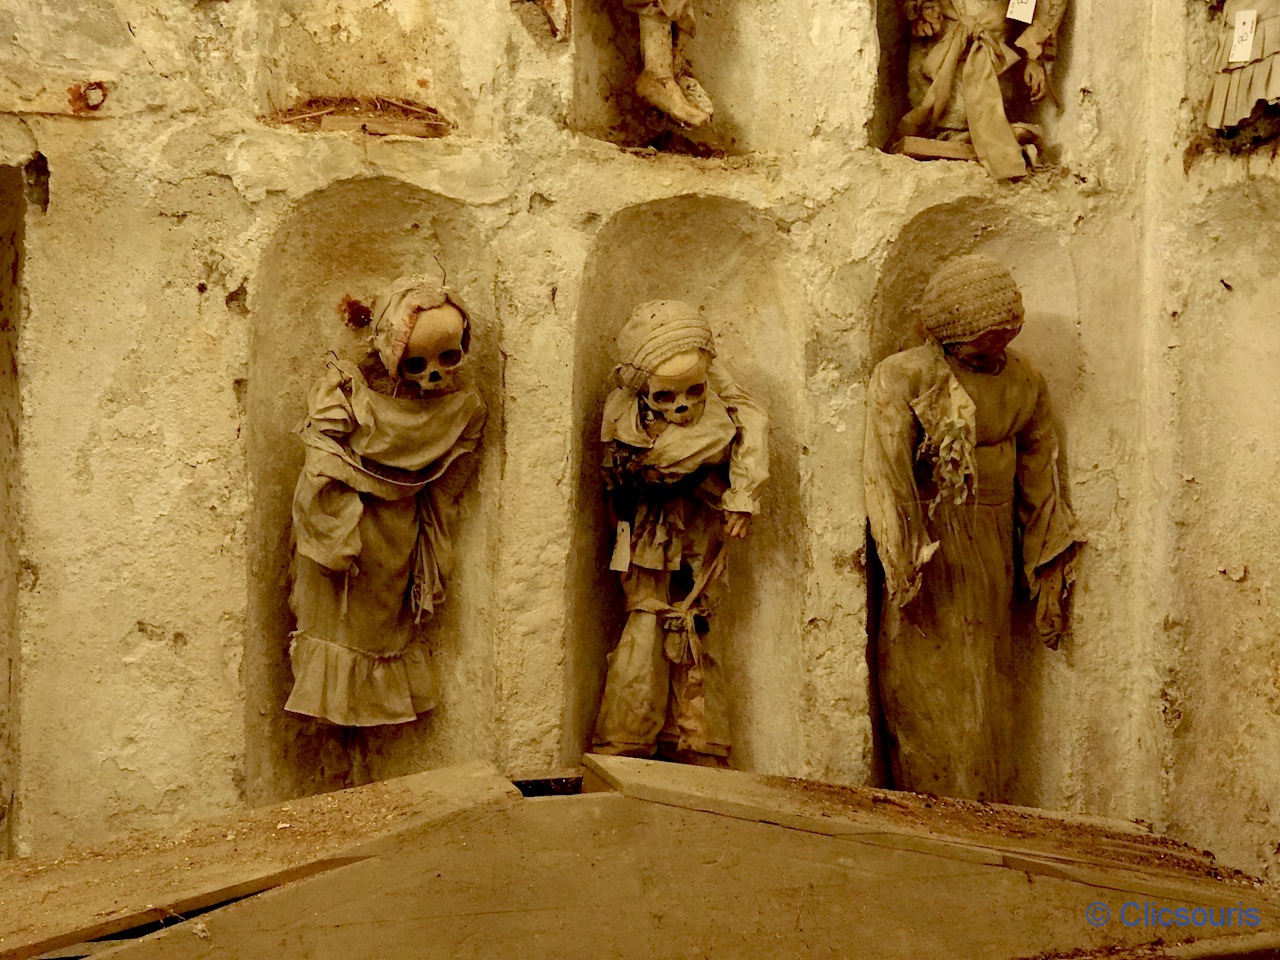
x,y
946,625
670,494
372,518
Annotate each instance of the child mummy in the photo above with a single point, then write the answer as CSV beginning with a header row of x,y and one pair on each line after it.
x,y
685,457
390,445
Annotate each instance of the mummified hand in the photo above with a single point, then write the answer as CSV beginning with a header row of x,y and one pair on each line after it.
x,y
1037,77
1051,602
925,17
737,525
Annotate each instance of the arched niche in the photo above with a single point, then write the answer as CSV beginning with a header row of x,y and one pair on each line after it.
x,y
340,244
754,60
1038,256
732,260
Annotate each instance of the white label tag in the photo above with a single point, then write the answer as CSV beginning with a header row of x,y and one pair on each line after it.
x,y
1242,38
1023,10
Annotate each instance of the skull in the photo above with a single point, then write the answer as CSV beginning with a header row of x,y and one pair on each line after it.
x,y
676,391
436,350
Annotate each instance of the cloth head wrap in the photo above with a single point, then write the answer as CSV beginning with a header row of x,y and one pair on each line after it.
x,y
656,332
395,311
968,296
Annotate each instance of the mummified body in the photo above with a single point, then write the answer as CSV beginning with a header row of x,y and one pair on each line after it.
x,y
390,444
666,80
969,65
962,493
685,456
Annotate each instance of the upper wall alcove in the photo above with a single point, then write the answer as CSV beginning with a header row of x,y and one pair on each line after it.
x,y
443,53
777,73
339,248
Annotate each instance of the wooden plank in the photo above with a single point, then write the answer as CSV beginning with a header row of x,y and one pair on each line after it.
x,y
87,893
608,875
922,148
1040,841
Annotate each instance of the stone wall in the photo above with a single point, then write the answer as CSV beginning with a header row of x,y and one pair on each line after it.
x,y
187,275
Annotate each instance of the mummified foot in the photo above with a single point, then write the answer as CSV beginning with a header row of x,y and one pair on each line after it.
x,y
665,94
695,94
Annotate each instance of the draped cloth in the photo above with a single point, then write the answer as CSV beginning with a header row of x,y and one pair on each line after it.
x,y
679,12
1238,87
373,512
957,76
952,556
665,679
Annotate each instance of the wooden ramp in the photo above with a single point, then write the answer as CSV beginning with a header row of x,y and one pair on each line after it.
x,y
665,861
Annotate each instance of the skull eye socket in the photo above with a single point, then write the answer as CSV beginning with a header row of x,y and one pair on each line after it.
x,y
696,391
414,365
450,358
664,396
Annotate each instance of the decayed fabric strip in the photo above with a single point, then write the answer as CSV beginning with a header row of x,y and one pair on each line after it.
x,y
373,529
1238,87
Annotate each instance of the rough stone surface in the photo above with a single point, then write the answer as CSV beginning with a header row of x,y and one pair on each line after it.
x,y
183,281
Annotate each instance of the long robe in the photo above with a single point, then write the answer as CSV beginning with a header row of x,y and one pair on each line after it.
x,y
372,517
664,682
955,77
951,560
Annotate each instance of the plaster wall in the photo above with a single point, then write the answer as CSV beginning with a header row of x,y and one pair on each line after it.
x,y
185,277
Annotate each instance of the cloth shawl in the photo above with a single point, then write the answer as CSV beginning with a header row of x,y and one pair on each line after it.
x,y
1237,87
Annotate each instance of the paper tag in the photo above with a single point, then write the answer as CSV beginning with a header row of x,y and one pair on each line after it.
x,y
1242,38
1024,10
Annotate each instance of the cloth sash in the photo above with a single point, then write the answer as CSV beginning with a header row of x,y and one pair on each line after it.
x,y
973,47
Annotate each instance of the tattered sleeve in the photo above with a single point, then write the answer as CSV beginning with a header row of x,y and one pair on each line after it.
x,y
892,497
1040,39
326,512
1048,526
749,461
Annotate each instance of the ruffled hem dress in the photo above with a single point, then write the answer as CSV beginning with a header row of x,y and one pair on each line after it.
x,y
1238,87
372,517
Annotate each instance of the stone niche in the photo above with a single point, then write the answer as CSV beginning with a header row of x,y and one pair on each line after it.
x,y
334,252
443,53
1038,257
723,255
12,210
744,54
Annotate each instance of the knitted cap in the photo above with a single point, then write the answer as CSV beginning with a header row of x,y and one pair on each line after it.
x,y
656,332
395,311
968,296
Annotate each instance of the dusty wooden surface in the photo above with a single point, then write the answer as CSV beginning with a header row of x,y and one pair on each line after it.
x,y
779,869
922,148
131,881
